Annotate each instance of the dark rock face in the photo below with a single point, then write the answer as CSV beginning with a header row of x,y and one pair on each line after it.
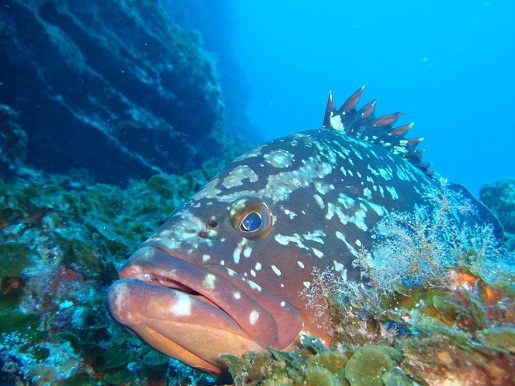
x,y
13,141
115,88
215,22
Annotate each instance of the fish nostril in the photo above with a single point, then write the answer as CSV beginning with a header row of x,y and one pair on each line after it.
x,y
202,234
211,224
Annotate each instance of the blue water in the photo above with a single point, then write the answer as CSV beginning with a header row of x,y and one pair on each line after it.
x,y
448,65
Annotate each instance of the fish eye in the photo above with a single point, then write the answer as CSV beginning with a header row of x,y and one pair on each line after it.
x,y
251,218
251,222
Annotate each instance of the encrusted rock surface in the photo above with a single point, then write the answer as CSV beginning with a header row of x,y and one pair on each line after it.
x,y
13,141
500,199
115,88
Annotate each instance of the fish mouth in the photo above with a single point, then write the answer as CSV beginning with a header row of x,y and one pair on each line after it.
x,y
195,313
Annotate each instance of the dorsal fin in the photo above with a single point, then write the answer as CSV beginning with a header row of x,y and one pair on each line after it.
x,y
364,125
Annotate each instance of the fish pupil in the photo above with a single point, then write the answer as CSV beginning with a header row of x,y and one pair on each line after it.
x,y
251,223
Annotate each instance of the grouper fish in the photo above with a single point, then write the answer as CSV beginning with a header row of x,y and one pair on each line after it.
x,y
224,273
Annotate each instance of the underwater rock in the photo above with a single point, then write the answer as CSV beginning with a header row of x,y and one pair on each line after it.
x,y
13,142
114,88
500,199
215,22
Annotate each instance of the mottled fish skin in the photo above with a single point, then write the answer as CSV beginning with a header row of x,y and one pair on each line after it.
x,y
203,284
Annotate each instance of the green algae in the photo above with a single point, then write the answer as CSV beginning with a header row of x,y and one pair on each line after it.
x,y
14,257
19,322
367,366
115,356
502,339
122,377
80,379
395,377
319,376
332,361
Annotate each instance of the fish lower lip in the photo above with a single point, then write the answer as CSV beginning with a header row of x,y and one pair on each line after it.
x,y
184,326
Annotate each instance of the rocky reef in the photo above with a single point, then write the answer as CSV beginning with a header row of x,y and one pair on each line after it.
x,y
214,20
13,142
113,88
60,250
500,198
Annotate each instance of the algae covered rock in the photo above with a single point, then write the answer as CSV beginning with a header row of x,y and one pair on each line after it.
x,y
319,376
500,199
367,366
59,250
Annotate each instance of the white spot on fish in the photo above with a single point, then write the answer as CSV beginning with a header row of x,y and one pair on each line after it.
x,y
236,254
283,184
276,270
283,303
182,306
318,253
279,158
351,249
254,286
338,266
237,175
285,240
237,295
300,264
315,236
242,246
205,258
386,173
289,213
254,316
392,192
257,266
319,201
253,273
209,281
307,284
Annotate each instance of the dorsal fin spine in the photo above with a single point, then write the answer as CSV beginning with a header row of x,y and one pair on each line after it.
x,y
363,124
